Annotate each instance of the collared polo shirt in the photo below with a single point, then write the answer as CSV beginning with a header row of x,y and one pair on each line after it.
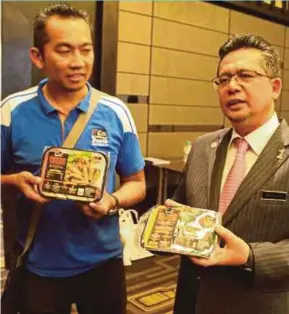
x,y
67,242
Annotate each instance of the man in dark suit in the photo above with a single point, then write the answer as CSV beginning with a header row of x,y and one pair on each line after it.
x,y
249,271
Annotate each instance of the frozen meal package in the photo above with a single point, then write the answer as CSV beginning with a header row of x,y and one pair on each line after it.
x,y
73,174
181,230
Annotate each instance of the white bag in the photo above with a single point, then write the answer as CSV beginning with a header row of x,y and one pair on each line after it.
x,y
130,233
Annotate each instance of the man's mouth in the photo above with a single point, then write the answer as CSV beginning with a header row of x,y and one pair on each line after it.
x,y
235,102
76,76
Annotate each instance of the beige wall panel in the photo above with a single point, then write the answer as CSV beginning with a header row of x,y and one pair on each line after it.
x,y
184,37
143,7
242,23
143,143
285,100
132,84
133,58
285,115
286,79
179,115
134,28
172,91
182,64
194,13
286,59
169,145
140,115
287,37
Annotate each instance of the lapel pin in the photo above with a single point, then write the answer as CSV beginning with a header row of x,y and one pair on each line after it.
x,y
214,145
280,153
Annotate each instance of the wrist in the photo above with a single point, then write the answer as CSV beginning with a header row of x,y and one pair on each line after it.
x,y
115,205
249,264
115,201
17,180
10,179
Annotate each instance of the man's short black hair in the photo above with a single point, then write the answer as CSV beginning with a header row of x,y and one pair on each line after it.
x,y
271,60
61,9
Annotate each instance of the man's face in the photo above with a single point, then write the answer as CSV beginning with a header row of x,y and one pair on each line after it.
x,y
68,56
251,103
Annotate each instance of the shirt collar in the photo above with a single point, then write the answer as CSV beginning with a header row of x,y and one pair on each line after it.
x,y
259,138
47,108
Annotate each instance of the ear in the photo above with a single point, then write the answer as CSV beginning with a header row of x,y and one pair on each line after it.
x,y
36,57
276,88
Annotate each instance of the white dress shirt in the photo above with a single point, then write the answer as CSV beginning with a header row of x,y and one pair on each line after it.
x,y
257,140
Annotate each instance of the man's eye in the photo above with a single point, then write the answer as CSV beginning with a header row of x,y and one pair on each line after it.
x,y
63,51
245,75
223,79
87,50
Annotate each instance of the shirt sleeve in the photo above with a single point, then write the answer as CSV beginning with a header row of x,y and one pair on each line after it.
x,y
130,158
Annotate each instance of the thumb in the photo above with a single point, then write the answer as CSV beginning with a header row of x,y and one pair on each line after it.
x,y
37,180
170,203
224,233
32,179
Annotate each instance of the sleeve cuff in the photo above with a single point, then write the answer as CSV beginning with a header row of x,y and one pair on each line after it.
x,y
250,263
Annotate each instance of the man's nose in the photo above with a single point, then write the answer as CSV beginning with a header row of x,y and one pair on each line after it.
x,y
233,84
77,60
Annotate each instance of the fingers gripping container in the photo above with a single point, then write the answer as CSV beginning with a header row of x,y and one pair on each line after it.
x,y
71,174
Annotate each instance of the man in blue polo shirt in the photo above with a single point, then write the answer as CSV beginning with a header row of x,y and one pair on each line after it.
x,y
76,254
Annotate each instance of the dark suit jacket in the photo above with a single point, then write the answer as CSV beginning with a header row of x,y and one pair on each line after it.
x,y
263,223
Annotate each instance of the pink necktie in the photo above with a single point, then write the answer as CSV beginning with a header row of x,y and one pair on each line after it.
x,y
235,176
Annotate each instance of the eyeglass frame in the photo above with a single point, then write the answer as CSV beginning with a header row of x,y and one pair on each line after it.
x,y
231,76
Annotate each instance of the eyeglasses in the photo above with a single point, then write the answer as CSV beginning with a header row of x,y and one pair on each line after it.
x,y
242,76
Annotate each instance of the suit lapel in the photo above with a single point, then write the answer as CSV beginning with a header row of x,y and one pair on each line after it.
x,y
216,166
271,158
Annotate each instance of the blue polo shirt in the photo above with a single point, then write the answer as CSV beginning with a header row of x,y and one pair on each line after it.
x,y
67,242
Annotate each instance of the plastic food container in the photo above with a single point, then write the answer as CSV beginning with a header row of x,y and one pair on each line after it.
x,y
73,174
182,230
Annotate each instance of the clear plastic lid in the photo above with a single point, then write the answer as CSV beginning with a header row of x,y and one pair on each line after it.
x,y
73,174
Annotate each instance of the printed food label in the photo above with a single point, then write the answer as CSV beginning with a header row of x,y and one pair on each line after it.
x,y
73,174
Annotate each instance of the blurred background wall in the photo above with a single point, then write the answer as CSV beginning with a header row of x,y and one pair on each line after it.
x,y
167,56
17,38
159,57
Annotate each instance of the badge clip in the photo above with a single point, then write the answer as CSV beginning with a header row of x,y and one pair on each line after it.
x,y
280,153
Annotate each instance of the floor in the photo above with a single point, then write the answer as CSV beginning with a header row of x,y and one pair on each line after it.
x,y
151,285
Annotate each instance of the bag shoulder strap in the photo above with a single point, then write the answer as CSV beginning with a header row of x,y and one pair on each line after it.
x,y
69,142
82,120
33,223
